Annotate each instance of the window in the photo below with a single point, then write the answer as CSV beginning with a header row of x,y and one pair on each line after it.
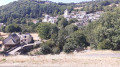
x,y
25,36
21,40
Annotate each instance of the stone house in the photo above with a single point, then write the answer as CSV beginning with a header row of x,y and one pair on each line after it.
x,y
50,19
14,40
11,41
25,38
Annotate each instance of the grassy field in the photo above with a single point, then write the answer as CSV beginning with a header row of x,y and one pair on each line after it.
x,y
86,59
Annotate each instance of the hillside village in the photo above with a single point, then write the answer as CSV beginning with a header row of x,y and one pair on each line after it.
x,y
82,16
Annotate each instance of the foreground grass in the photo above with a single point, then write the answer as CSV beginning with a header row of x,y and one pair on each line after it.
x,y
87,59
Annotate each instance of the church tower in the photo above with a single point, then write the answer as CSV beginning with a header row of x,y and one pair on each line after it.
x,y
66,13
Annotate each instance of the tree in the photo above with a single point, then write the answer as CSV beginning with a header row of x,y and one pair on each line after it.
x,y
43,30
61,39
62,22
104,33
45,49
71,28
72,21
25,9
76,40
105,3
46,30
13,28
105,44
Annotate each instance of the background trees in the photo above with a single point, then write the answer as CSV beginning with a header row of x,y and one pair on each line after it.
x,y
76,40
19,11
13,28
62,22
104,33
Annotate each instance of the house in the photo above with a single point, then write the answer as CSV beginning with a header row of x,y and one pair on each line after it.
x,y
14,40
25,38
82,16
11,41
35,21
66,13
50,19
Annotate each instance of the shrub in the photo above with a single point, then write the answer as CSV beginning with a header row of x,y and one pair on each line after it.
x,y
1,38
69,47
56,50
45,49
106,44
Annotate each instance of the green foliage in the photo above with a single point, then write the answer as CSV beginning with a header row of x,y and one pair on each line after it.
x,y
56,50
71,28
61,39
69,47
62,22
13,28
46,30
19,11
45,49
2,29
72,21
104,33
76,40
105,3
43,30
1,38
29,27
104,45
99,5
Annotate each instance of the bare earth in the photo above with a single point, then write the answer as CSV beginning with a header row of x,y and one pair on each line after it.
x,y
87,59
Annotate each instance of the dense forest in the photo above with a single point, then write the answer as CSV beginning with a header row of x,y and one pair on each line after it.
x,y
99,5
19,11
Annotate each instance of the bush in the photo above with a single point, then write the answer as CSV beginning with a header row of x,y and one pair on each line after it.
x,y
69,47
50,43
1,38
45,49
106,44
13,28
56,50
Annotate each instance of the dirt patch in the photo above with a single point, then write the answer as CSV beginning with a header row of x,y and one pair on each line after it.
x,y
4,35
35,36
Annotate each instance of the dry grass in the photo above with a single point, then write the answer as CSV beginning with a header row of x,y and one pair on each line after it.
x,y
4,35
78,8
35,36
75,59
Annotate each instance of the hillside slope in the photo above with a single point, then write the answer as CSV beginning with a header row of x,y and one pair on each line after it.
x,y
18,10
